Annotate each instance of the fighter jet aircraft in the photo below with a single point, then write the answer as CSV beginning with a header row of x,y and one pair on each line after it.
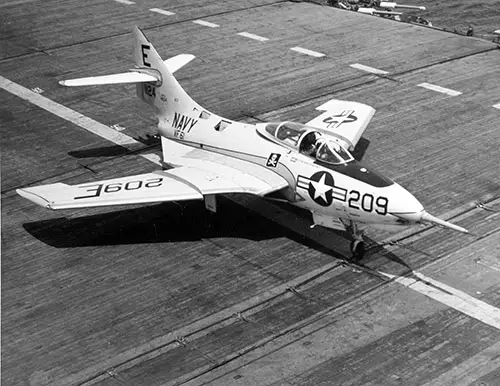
x,y
308,165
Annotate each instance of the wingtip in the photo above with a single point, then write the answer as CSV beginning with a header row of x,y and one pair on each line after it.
x,y
33,197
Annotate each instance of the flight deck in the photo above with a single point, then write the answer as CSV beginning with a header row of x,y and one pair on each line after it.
x,y
168,294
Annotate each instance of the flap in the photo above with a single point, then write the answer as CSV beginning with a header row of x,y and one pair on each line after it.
x,y
343,119
218,173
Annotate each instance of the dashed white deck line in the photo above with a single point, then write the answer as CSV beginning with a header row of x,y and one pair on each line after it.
x,y
440,292
440,89
373,70
305,51
126,2
162,11
252,36
451,297
497,106
206,23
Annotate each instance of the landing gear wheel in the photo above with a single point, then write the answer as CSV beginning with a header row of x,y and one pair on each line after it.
x,y
358,250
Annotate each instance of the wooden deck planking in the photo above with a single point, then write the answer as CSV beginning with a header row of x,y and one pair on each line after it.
x,y
74,22
111,298
121,278
253,331
342,350
411,355
36,136
323,336
325,294
488,379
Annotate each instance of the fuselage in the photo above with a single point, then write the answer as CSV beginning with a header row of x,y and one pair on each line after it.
x,y
349,191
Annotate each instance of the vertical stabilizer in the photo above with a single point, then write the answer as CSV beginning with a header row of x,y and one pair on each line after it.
x,y
166,95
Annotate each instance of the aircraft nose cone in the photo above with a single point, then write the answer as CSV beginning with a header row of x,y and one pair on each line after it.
x,y
403,204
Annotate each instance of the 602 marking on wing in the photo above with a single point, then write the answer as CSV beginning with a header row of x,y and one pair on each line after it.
x,y
114,187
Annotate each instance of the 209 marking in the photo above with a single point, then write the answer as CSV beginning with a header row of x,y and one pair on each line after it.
x,y
367,202
114,187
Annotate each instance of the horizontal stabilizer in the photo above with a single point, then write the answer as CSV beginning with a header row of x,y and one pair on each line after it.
x,y
127,77
133,76
176,62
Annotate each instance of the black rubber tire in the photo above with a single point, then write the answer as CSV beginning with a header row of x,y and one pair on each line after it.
x,y
357,250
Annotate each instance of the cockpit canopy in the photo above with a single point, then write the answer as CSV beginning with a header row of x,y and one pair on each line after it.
x,y
287,132
309,141
331,152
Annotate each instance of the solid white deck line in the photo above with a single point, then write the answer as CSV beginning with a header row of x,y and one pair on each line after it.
x,y
15,2
440,89
162,11
373,70
307,52
72,116
450,296
497,106
206,23
252,36
126,2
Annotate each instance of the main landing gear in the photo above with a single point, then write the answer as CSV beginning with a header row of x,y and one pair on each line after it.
x,y
358,244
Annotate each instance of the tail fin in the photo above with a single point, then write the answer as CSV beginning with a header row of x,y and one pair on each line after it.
x,y
153,78
166,95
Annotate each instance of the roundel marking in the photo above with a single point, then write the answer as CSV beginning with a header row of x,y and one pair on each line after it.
x,y
320,189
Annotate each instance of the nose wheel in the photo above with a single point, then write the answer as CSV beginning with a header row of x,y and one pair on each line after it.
x,y
357,250
358,244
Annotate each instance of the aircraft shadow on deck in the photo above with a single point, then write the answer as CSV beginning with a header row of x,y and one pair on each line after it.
x,y
158,223
189,221
106,151
117,150
360,149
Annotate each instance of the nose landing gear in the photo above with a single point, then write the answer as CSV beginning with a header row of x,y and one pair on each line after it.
x,y
358,244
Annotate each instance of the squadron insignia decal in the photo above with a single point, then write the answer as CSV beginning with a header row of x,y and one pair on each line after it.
x,y
273,160
321,188
334,121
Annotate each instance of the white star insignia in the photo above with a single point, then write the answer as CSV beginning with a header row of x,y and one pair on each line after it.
x,y
320,188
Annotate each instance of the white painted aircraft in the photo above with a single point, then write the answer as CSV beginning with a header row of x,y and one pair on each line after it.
x,y
307,165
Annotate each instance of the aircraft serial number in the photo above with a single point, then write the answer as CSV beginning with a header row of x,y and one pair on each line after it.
x,y
367,202
115,187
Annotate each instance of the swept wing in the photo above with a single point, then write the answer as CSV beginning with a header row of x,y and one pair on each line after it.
x,y
202,173
344,119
